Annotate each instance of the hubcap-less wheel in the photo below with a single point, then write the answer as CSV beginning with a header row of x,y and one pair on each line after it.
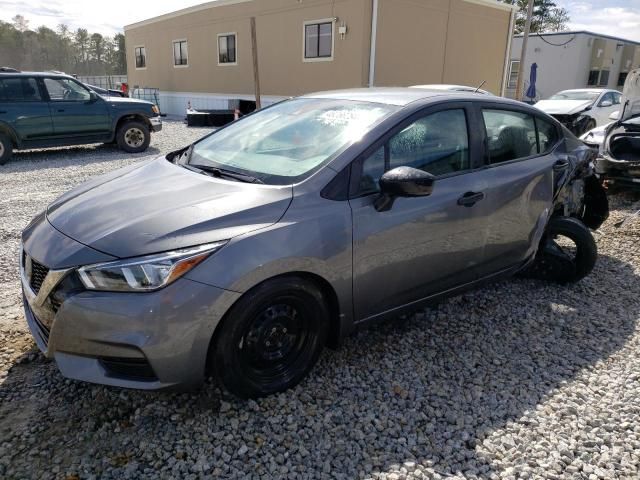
x,y
134,137
274,341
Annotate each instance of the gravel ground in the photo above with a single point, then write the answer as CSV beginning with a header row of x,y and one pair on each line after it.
x,y
522,379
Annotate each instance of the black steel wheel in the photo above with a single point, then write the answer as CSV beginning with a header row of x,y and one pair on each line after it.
x,y
567,252
271,338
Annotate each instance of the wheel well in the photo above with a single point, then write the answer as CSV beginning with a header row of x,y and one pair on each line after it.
x,y
10,133
126,118
328,293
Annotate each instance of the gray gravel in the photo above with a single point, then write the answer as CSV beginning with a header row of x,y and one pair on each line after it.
x,y
519,380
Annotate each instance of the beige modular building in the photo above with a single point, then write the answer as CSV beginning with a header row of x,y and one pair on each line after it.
x,y
203,55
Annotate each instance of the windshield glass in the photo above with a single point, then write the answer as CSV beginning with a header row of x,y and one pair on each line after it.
x,y
287,142
575,95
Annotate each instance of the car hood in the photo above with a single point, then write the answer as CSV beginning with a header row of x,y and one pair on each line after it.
x,y
562,107
631,96
125,100
160,206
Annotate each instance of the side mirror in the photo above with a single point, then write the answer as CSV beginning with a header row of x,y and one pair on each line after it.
x,y
615,115
93,96
606,103
403,182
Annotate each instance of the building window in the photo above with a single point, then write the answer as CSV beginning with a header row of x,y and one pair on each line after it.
x,y
180,53
604,78
227,49
622,78
593,78
514,69
141,57
318,40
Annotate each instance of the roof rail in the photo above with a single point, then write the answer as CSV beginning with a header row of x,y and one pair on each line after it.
x,y
8,70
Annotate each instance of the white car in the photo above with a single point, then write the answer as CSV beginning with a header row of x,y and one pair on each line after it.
x,y
583,109
453,88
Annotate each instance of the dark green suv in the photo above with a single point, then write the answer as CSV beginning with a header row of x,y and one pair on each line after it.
x,y
48,110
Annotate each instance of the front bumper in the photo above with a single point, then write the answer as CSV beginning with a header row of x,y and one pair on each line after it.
x,y
135,340
156,123
622,172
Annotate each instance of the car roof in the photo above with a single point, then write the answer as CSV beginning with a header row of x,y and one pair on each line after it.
x,y
399,96
35,74
588,90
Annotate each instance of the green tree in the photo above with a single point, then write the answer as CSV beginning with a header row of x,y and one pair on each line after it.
x,y
547,16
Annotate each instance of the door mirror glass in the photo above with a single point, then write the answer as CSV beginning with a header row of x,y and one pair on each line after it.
x,y
606,103
403,182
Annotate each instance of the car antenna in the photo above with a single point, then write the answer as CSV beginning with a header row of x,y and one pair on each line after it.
x,y
480,86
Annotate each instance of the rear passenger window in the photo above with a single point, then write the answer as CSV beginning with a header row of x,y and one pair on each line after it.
x,y
19,90
547,134
511,135
437,143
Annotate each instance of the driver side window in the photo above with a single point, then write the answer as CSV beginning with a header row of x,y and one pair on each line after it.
x,y
437,143
63,89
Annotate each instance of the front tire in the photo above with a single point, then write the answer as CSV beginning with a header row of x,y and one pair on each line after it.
x,y
6,149
133,136
271,338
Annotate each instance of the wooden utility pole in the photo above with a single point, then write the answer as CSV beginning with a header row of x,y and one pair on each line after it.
x,y
523,54
256,73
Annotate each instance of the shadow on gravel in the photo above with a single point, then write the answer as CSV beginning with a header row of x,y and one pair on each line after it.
x,y
428,390
30,160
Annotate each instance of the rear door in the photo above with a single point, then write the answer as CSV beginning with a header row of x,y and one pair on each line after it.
x,y
73,110
23,108
422,245
519,178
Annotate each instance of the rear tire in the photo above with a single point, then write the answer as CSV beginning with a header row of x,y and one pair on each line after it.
x,y
133,136
271,338
6,148
591,124
555,262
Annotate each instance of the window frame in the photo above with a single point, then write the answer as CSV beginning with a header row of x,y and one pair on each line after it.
x,y
474,141
597,79
319,22
608,75
515,84
622,78
173,53
235,36
515,109
144,57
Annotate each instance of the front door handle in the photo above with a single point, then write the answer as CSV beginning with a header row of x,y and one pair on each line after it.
x,y
60,110
469,199
3,111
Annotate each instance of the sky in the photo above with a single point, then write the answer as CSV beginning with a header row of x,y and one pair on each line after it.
x,y
612,17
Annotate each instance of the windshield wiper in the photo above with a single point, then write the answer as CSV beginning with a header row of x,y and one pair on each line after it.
x,y
223,173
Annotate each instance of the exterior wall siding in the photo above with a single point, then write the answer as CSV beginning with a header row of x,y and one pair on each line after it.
x,y
434,41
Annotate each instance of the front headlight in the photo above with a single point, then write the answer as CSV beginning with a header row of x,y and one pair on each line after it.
x,y
155,110
145,274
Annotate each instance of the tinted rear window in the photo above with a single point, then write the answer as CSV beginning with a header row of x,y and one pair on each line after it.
x,y
19,90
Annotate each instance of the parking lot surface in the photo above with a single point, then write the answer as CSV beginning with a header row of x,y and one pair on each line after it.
x,y
521,379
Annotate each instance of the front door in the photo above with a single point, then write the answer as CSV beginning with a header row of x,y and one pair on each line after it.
x,y
422,245
75,112
605,106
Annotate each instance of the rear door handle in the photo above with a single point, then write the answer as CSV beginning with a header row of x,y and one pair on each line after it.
x,y
469,199
60,110
3,111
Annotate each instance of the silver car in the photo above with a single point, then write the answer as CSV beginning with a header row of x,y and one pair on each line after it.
x,y
244,254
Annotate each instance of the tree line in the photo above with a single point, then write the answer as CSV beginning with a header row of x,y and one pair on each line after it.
x,y
547,16
74,52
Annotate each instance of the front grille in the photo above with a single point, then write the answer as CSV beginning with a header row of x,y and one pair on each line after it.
x,y
38,274
130,368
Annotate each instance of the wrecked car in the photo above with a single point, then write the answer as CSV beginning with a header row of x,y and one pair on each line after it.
x,y
619,159
581,110
244,254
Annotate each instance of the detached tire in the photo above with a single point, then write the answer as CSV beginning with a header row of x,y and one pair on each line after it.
x,y
271,338
6,148
133,136
553,261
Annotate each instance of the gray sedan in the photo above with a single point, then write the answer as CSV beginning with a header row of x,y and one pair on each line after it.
x,y
244,254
